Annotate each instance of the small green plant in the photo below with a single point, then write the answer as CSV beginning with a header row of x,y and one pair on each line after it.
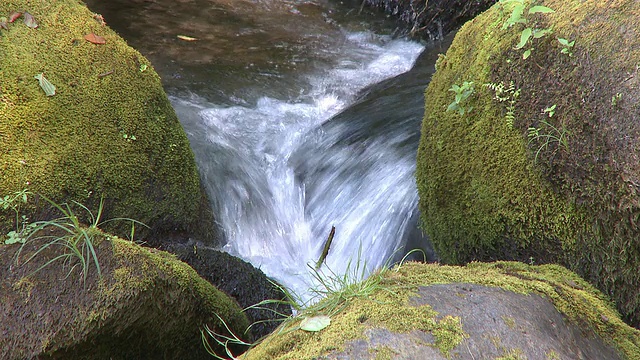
x,y
518,17
615,99
77,240
462,93
14,202
225,341
551,110
545,140
567,46
506,94
333,294
128,137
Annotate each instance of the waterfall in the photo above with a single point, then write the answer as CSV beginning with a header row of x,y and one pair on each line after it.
x,y
282,172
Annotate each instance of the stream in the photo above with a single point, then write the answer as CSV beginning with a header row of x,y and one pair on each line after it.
x,y
302,115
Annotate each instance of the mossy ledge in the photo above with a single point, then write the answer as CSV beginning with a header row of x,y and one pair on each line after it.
x,y
146,305
109,131
486,193
393,308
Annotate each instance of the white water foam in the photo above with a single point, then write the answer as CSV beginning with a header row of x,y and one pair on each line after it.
x,y
261,204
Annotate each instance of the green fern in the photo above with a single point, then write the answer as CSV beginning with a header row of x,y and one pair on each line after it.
x,y
506,94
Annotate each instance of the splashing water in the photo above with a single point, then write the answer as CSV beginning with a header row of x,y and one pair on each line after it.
x,y
280,172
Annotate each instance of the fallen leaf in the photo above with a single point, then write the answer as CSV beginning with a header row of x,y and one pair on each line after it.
x,y
14,16
100,19
186,38
315,323
3,23
95,39
47,86
30,21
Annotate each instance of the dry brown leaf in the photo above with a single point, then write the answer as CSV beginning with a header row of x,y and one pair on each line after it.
x,y
95,39
14,16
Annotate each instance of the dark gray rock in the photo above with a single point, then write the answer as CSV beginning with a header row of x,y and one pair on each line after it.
x,y
431,19
238,279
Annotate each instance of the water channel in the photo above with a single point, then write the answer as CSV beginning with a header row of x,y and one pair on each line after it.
x,y
302,115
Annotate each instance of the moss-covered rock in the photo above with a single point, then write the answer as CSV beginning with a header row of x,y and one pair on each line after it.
x,y
109,131
146,305
481,311
551,172
240,280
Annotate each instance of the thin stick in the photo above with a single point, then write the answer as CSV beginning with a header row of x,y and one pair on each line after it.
x,y
325,250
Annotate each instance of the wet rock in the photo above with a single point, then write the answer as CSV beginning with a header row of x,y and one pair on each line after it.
x,y
240,280
431,19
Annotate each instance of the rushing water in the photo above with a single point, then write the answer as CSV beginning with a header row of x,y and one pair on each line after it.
x,y
295,128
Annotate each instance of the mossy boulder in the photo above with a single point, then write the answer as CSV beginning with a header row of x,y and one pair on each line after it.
x,y
108,132
481,311
146,305
543,165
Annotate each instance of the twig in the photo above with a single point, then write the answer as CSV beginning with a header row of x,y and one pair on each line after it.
x,y
325,250
106,73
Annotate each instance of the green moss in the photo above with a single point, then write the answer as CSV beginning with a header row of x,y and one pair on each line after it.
x,y
552,355
513,354
383,353
138,266
509,321
143,294
388,308
71,146
570,294
380,310
484,197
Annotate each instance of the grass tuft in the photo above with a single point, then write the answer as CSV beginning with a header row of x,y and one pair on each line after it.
x,y
77,240
333,294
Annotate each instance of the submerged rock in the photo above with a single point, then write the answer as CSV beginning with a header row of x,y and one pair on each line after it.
x,y
481,311
542,165
108,132
146,305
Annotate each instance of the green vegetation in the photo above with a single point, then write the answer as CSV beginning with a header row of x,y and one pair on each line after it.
x,y
518,16
567,46
546,140
462,93
67,231
333,294
14,202
508,94
142,290
615,99
227,342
